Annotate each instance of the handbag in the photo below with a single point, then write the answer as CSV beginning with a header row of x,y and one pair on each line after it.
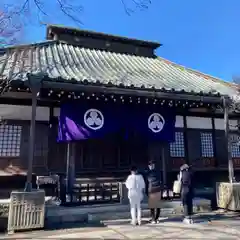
x,y
177,186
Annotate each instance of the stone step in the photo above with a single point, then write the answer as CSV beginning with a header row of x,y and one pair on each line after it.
x,y
59,215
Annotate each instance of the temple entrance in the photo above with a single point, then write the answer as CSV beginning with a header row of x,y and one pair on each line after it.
x,y
111,156
103,142
102,165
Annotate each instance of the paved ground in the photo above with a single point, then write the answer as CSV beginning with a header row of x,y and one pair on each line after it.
x,y
222,226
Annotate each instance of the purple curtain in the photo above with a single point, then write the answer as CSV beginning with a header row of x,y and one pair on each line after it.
x,y
78,121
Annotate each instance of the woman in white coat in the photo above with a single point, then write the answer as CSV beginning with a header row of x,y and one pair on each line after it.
x,y
136,186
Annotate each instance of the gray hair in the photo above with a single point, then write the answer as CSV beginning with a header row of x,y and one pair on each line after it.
x,y
184,167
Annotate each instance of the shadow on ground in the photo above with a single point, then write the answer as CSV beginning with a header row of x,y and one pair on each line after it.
x,y
198,219
206,223
53,230
202,224
218,217
74,225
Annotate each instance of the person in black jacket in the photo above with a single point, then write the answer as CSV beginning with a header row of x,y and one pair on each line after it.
x,y
153,191
186,176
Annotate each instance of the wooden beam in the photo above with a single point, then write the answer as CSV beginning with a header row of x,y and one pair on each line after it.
x,y
131,92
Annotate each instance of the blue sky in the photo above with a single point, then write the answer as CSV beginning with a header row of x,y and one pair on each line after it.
x,y
200,34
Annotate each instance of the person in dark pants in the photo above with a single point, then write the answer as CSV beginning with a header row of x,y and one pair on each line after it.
x,y
186,176
153,191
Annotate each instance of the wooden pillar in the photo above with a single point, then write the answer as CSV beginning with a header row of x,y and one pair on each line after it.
x,y
185,139
156,152
51,131
228,144
216,164
34,83
70,168
164,169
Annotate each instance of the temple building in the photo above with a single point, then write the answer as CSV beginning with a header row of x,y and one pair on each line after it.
x,y
105,103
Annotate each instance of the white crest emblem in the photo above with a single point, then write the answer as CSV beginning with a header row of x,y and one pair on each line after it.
x,y
93,119
156,122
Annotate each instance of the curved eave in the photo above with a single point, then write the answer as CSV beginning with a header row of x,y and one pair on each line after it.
x,y
86,86
70,64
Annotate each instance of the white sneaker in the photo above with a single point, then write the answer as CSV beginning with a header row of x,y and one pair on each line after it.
x,y
153,222
139,223
187,220
133,223
158,221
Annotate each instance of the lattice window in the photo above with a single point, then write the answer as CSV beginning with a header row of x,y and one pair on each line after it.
x,y
235,149
177,148
207,145
10,140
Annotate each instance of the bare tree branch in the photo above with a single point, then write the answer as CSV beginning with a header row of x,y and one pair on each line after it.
x,y
10,27
71,8
12,22
39,6
130,6
12,16
70,11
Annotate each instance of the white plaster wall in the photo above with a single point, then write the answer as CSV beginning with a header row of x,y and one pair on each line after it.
x,y
179,122
15,112
233,124
56,112
219,124
199,123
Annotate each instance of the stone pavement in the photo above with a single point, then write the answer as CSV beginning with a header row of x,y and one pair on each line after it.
x,y
222,226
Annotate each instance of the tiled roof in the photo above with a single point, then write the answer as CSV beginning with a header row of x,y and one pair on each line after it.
x,y
60,60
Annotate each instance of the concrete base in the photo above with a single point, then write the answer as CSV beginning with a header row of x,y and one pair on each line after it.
x,y
228,195
96,213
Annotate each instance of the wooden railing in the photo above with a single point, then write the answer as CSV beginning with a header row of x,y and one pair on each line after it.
x,y
236,162
208,162
95,191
